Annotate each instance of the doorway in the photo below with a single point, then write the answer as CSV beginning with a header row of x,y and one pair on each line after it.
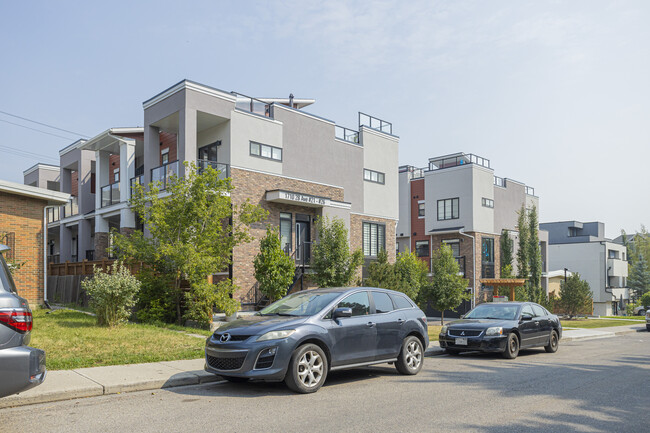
x,y
303,238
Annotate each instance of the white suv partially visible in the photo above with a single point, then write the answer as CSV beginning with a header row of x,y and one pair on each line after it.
x,y
647,320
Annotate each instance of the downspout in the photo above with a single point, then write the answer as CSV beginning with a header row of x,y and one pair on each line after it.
x,y
45,253
462,232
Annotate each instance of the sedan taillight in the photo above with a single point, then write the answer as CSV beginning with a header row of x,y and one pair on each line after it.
x,y
19,320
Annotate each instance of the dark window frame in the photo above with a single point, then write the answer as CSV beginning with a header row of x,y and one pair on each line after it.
x,y
417,249
421,210
379,247
444,208
260,145
487,202
378,173
290,219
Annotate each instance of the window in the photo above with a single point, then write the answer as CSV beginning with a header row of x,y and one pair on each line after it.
x,y
373,176
285,232
527,310
448,209
116,175
613,254
266,151
422,248
487,258
401,302
374,239
539,311
454,244
358,302
420,209
488,202
383,304
164,157
573,232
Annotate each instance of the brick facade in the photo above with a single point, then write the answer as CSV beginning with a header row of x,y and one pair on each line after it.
x,y
101,245
418,229
23,216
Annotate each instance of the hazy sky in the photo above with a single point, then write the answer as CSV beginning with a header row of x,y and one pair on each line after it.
x,y
555,93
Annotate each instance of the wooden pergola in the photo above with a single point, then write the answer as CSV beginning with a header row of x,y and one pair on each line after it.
x,y
510,283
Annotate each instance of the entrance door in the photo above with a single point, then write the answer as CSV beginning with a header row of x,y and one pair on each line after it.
x,y
303,238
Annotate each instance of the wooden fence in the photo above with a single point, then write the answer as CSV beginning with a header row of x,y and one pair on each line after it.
x,y
86,267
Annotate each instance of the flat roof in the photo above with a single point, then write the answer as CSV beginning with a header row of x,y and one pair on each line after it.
x,y
41,166
52,197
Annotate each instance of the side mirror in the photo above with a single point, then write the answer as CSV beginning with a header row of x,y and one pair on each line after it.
x,y
342,312
526,317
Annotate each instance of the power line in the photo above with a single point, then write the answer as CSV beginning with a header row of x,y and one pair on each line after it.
x,y
37,130
44,124
28,155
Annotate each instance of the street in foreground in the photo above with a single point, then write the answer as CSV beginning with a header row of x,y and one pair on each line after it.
x,y
595,385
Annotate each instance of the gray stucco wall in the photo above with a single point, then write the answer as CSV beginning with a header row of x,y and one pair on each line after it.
x,y
404,223
507,201
449,183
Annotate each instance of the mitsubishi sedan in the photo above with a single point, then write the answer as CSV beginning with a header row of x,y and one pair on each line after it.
x,y
302,337
503,327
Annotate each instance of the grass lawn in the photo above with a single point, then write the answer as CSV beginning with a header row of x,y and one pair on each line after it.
x,y
639,318
596,323
434,330
72,340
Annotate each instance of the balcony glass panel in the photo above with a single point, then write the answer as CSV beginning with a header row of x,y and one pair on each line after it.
x,y
164,173
223,169
110,194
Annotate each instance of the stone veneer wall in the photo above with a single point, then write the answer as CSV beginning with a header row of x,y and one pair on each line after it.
x,y
253,185
101,245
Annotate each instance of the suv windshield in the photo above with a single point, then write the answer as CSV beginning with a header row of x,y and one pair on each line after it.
x,y
300,304
6,281
494,311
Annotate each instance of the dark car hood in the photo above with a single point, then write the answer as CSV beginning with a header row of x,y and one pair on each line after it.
x,y
481,323
253,325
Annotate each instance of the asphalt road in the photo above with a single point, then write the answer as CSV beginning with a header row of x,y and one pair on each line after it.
x,y
599,385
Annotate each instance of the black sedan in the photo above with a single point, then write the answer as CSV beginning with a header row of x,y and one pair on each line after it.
x,y
503,327
302,337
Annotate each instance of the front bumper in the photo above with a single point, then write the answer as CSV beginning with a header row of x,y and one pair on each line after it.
x,y
249,359
481,343
23,368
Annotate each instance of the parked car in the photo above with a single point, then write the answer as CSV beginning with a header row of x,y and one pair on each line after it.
x,y
21,367
641,310
302,337
503,327
647,320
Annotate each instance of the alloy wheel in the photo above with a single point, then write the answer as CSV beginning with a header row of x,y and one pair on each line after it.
x,y
310,368
413,355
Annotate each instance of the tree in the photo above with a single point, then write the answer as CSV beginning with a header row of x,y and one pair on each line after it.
x,y
575,295
448,288
381,273
522,251
534,257
410,274
639,278
194,228
274,270
333,263
645,299
507,246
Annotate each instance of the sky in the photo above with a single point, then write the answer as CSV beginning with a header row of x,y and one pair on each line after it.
x,y
556,94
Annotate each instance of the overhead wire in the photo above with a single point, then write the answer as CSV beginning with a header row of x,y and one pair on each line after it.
x,y
37,130
43,124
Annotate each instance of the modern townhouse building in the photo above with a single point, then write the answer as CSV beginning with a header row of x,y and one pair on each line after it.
x,y
457,200
582,248
297,165
41,175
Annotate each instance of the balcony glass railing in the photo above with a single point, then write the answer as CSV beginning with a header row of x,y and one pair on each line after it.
x,y
530,190
71,208
345,134
164,173
375,123
111,194
499,181
456,160
252,105
137,180
223,169
53,214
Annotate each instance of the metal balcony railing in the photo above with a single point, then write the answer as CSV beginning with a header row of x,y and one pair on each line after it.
x,y
223,169
345,134
53,214
71,208
110,194
164,173
375,123
137,180
252,105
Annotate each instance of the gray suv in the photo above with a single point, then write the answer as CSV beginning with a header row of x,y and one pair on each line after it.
x,y
21,367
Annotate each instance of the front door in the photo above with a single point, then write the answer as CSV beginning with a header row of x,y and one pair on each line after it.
x,y
303,239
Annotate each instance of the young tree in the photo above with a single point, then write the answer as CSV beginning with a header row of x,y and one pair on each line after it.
x,y
410,274
522,251
507,247
381,273
191,234
575,295
448,288
534,257
639,277
274,270
333,263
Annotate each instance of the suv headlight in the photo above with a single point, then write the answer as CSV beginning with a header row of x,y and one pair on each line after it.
x,y
495,330
276,335
443,330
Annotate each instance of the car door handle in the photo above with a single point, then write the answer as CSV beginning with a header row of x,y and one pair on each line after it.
x,y
400,321
371,324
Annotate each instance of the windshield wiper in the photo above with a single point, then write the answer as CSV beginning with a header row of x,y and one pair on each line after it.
x,y
285,314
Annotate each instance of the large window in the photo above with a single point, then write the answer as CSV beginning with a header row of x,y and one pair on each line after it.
x,y
373,176
448,209
266,151
422,248
374,239
454,244
285,232
488,202
420,209
487,258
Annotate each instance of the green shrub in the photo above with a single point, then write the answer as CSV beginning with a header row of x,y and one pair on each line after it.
x,y
112,295
203,296
157,298
274,270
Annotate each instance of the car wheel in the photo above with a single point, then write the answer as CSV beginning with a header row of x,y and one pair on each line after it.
x,y
234,379
512,347
452,351
647,328
410,357
641,312
307,369
553,343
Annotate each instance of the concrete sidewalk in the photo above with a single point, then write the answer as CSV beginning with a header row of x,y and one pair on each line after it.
x,y
95,381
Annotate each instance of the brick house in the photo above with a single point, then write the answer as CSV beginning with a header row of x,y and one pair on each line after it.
x,y
22,223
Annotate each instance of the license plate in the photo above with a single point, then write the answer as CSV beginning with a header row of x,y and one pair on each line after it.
x,y
461,342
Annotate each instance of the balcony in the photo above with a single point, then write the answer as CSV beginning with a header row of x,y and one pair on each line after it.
x,y
111,194
345,134
413,172
223,169
375,123
71,208
252,105
616,268
137,180
456,160
164,173
53,214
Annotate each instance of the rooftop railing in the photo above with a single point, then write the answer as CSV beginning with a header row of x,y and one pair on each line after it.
x,y
252,105
499,181
345,134
375,123
164,173
110,194
53,214
223,169
456,160
530,190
